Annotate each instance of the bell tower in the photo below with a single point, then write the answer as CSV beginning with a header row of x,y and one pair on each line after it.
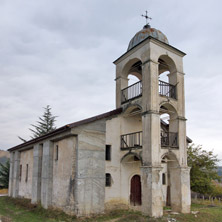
x,y
158,93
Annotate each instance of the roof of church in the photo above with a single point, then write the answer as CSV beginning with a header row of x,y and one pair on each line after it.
x,y
145,33
67,127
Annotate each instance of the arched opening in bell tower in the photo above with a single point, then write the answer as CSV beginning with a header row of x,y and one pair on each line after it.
x,y
131,138
132,79
167,80
131,86
168,126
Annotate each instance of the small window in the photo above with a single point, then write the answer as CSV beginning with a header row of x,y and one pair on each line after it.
x,y
108,152
20,173
108,179
164,179
27,173
56,152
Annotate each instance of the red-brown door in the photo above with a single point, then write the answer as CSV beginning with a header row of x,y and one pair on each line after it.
x,y
168,196
135,191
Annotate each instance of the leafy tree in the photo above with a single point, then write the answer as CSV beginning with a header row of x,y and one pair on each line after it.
x,y
45,124
4,174
217,189
203,169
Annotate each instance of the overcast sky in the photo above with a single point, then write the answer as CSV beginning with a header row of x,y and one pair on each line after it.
x,y
60,53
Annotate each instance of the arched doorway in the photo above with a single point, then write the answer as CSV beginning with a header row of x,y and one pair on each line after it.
x,y
135,191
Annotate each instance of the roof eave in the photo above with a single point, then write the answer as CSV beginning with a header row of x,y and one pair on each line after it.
x,y
150,37
46,136
66,127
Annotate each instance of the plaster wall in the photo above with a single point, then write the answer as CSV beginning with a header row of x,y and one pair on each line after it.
x,y
15,173
64,169
25,186
90,179
117,195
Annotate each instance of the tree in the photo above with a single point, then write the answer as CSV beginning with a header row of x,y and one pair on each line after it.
x,y
217,189
203,169
4,174
45,124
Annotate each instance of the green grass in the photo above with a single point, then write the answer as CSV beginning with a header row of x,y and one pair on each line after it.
x,y
21,210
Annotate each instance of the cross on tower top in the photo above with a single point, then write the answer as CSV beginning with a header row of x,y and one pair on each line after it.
x,y
147,17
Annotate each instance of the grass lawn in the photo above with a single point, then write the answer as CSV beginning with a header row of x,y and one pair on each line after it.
x,y
21,210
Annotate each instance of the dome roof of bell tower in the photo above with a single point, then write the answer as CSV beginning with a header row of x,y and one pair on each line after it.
x,y
145,33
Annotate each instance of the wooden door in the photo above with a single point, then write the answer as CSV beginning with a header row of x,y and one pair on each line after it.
x,y
135,191
168,196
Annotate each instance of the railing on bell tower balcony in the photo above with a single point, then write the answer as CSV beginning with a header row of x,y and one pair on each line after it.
x,y
135,91
169,139
131,92
134,140
166,89
131,140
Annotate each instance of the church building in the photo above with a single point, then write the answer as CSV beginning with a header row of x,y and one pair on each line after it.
x,y
133,157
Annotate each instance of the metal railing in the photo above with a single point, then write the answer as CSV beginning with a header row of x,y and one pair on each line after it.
x,y
131,140
169,139
166,89
134,140
135,90
131,92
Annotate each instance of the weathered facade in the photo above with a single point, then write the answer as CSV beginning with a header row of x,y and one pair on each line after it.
x,y
131,157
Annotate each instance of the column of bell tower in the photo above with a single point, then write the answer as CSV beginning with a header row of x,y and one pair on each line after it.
x,y
151,168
